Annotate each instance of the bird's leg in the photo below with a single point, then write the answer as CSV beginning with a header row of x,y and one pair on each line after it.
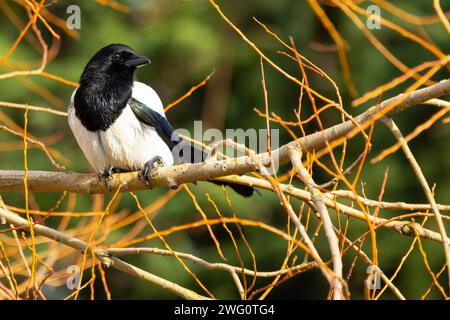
x,y
106,175
149,167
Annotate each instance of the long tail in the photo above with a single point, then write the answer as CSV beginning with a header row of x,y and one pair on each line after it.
x,y
196,156
244,191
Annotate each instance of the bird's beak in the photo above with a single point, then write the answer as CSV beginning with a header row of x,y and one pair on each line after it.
x,y
136,61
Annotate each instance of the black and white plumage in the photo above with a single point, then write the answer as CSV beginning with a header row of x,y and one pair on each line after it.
x,y
120,123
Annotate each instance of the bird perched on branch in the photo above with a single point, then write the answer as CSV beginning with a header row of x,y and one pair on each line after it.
x,y
120,123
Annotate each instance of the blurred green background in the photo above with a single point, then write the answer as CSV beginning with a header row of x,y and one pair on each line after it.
x,y
186,40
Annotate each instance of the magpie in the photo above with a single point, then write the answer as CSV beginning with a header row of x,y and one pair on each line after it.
x,y
120,124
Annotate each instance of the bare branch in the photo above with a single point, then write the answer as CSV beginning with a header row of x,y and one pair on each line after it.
x,y
317,199
423,182
106,260
185,173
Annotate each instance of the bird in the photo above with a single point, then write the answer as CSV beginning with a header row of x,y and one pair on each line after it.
x,y
120,124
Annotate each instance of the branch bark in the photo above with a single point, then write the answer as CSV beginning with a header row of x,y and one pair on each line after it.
x,y
41,181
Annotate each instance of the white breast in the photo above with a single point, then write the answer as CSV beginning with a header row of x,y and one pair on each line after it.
x,y
127,144
88,141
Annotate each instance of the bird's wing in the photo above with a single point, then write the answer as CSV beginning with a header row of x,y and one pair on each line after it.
x,y
148,96
154,119
149,109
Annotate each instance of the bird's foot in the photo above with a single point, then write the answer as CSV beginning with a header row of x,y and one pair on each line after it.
x,y
149,171
106,175
149,166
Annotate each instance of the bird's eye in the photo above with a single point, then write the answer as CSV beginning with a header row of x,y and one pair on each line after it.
x,y
115,57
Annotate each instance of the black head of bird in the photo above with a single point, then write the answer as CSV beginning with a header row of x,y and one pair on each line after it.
x,y
115,62
106,85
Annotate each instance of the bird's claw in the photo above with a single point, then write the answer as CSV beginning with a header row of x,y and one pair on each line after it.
x,y
106,175
149,166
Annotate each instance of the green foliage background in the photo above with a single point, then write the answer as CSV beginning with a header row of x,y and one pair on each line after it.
x,y
185,41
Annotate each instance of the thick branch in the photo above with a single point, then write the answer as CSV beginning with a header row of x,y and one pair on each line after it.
x,y
85,183
82,183
403,101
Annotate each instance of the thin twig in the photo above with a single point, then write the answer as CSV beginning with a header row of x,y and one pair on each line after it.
x,y
106,261
423,182
317,199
